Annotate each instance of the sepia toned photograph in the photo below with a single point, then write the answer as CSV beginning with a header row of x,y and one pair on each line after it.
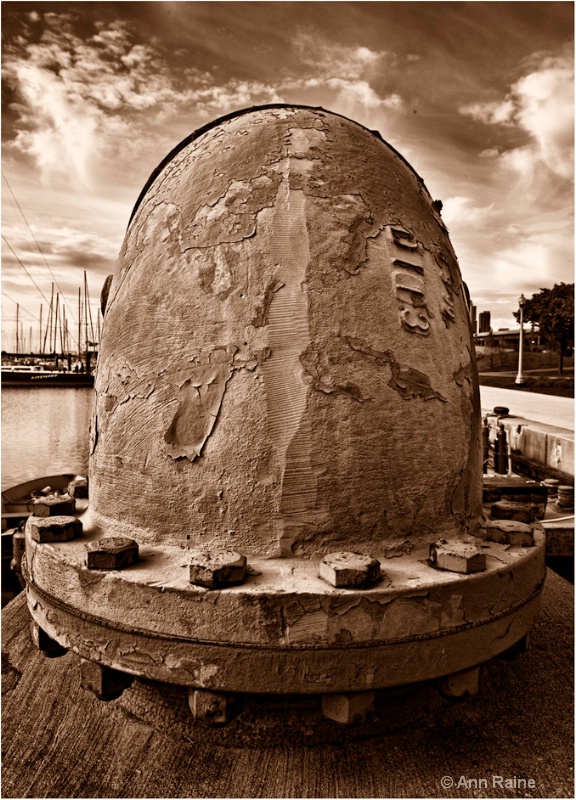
x,y
287,399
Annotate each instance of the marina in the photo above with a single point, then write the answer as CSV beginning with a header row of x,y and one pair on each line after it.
x,y
37,376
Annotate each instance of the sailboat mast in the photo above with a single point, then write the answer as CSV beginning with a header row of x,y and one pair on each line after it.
x,y
79,327
86,313
62,329
17,328
56,322
40,348
48,332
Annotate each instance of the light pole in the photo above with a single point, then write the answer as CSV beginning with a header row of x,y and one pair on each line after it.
x,y
520,377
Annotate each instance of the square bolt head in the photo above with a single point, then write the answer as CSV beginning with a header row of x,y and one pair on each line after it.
x,y
348,708
460,685
217,569
214,708
507,531
106,683
52,506
50,647
55,529
507,509
457,557
78,487
112,552
346,570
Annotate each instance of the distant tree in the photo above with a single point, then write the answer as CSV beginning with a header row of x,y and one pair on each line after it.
x,y
553,311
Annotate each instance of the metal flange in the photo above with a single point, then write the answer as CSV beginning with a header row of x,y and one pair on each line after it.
x,y
285,630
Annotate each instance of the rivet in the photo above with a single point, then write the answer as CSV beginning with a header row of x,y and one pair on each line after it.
x,y
78,487
45,643
508,531
508,509
213,708
517,649
460,685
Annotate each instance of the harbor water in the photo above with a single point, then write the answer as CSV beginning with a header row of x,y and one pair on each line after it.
x,y
44,432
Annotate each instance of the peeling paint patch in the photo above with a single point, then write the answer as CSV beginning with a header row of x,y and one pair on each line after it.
x,y
201,395
206,671
411,383
308,628
408,382
359,232
310,360
232,216
465,373
261,317
251,360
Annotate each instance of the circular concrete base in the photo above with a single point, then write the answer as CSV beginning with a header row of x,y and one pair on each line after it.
x,y
60,741
284,630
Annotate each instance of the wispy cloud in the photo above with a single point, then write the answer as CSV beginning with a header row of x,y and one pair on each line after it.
x,y
81,99
78,98
540,105
344,76
67,250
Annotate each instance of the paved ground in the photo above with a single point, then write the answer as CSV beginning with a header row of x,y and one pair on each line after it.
x,y
551,410
59,741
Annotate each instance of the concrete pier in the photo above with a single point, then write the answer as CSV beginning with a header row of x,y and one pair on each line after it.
x,y
60,741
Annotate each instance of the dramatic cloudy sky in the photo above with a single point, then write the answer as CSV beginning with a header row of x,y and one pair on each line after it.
x,y
477,96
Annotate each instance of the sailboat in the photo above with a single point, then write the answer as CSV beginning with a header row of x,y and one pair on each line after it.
x,y
59,366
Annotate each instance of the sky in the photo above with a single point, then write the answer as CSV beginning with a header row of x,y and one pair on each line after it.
x,y
478,97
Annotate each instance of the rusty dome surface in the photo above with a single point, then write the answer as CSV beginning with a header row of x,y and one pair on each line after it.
x,y
286,365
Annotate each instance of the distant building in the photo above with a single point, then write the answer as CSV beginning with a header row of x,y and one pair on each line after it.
x,y
485,321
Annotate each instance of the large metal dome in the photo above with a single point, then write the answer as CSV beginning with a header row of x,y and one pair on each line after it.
x,y
286,363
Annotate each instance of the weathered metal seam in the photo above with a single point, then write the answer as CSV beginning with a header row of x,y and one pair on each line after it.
x,y
249,646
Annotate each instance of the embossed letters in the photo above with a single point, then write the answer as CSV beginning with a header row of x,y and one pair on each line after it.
x,y
408,279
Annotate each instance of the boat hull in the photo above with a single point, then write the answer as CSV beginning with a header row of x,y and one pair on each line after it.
x,y
37,379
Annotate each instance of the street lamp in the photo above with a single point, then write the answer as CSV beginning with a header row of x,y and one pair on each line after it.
x,y
520,377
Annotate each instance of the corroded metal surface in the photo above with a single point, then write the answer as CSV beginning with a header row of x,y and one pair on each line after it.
x,y
285,337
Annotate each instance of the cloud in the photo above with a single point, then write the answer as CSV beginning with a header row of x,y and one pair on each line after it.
x,y
328,59
490,113
545,109
463,211
232,95
67,250
343,77
541,106
80,100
